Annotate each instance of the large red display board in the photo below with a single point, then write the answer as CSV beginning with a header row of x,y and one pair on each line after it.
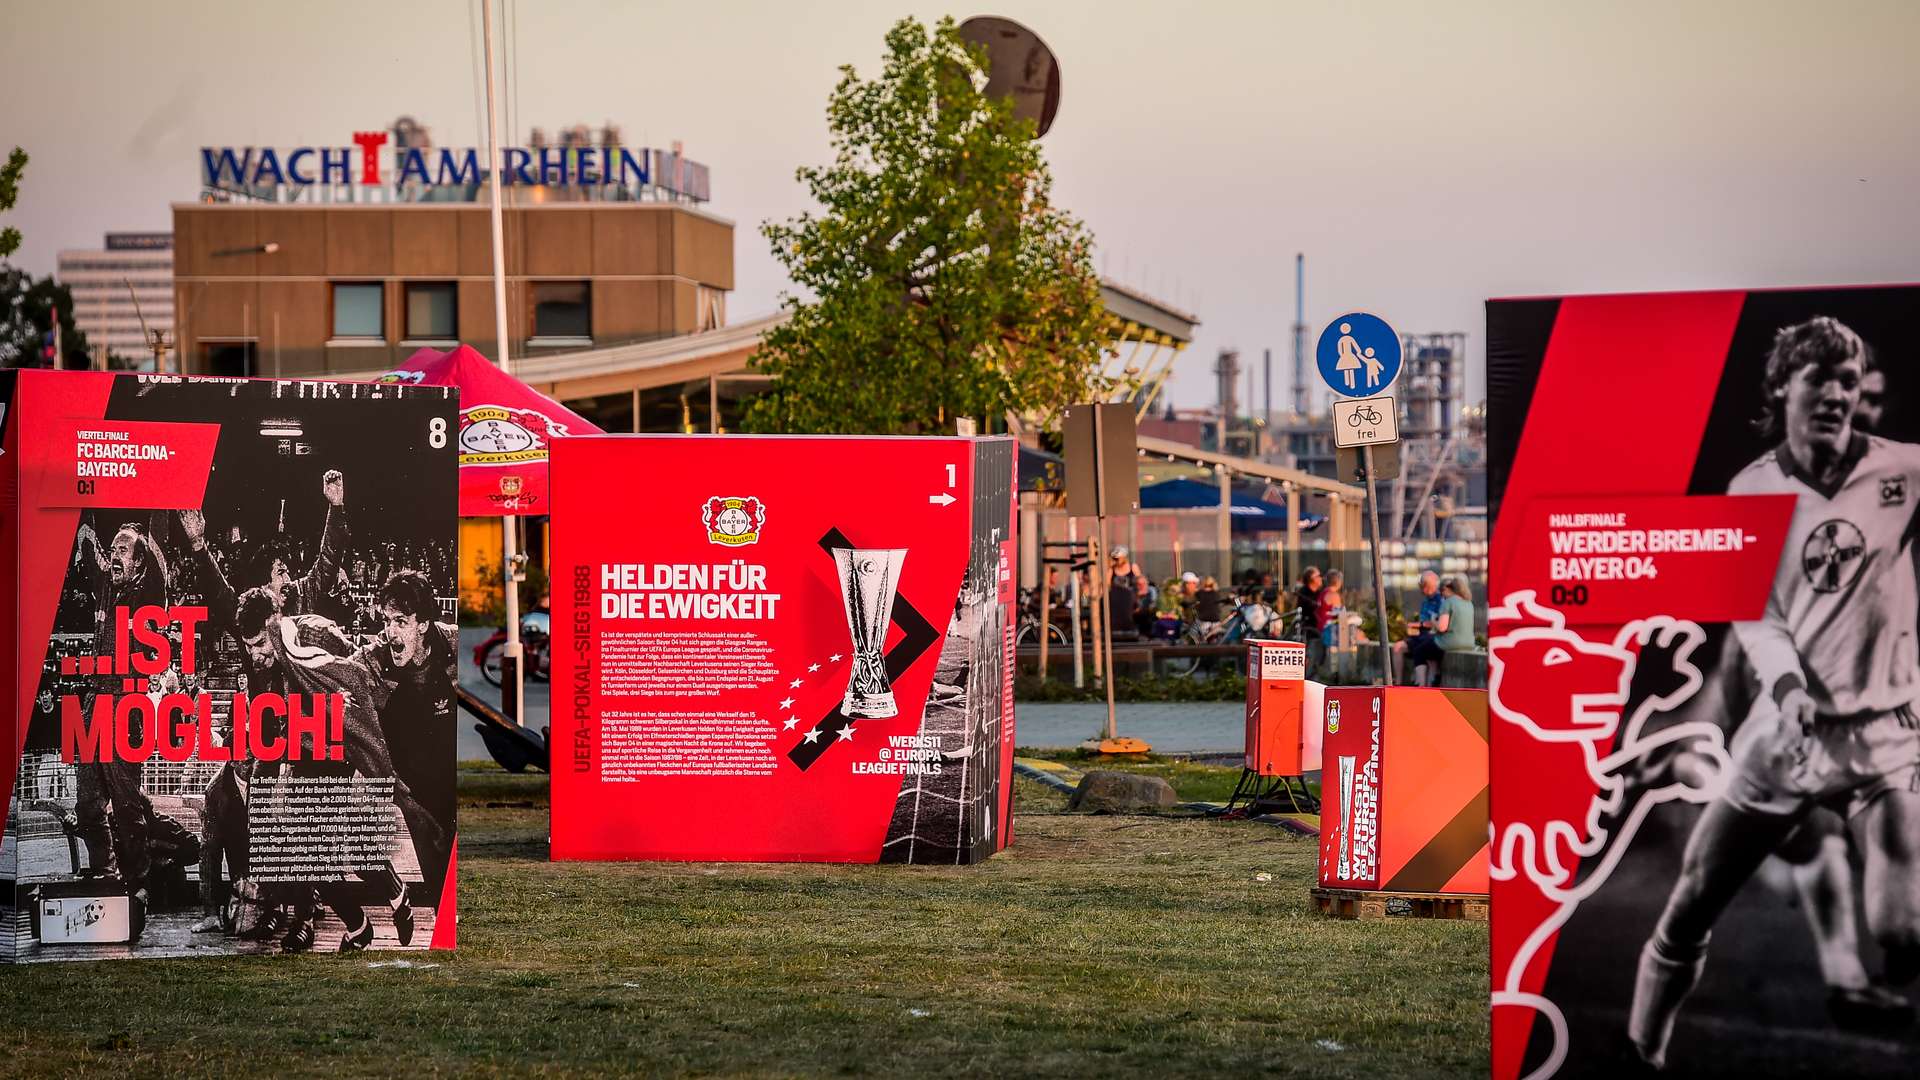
x,y
230,660
782,648
1702,681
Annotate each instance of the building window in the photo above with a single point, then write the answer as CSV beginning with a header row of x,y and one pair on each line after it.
x,y
431,312
358,311
229,359
684,408
611,413
561,310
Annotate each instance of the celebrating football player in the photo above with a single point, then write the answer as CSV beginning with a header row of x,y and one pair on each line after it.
x,y
132,574
415,666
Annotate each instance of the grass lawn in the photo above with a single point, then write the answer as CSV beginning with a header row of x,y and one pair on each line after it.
x,y
1109,946
1192,781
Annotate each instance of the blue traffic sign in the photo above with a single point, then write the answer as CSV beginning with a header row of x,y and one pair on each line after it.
x,y
1358,355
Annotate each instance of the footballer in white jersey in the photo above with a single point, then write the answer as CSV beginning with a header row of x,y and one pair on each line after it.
x,y
1838,676
1839,628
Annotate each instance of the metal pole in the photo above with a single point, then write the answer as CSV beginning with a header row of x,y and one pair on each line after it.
x,y
1223,526
1093,609
1379,579
1073,604
511,688
1300,334
1046,604
1266,403
1106,609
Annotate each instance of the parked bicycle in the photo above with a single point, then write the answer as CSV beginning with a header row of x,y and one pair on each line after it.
x,y
1251,617
1027,631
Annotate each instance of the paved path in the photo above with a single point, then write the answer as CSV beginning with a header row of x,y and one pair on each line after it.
x,y
1178,727
1169,726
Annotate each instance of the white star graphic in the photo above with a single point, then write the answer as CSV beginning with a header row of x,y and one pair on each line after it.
x,y
813,736
794,684
786,703
813,667
846,733
834,659
789,725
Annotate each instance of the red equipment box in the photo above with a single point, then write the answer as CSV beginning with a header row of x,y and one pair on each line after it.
x,y
795,648
230,661
1278,742
1403,791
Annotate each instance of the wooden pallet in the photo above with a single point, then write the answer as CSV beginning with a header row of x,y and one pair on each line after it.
x,y
1370,904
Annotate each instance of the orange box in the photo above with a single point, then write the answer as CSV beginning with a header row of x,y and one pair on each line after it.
x,y
1404,799
1278,742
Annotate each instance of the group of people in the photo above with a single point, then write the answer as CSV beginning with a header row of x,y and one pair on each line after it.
x,y
1147,608
1445,622
400,715
1195,606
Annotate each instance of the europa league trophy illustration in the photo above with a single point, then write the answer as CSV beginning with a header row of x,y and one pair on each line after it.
x,y
868,579
1345,867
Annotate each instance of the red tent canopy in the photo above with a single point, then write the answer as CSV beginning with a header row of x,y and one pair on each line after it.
x,y
506,428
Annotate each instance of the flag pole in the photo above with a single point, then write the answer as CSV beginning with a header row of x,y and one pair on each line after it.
x,y
511,686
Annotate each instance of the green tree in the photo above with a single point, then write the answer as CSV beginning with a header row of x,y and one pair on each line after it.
x,y
939,278
9,192
26,313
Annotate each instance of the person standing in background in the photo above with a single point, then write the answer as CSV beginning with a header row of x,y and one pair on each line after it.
x,y
1122,598
1332,606
1456,614
1307,599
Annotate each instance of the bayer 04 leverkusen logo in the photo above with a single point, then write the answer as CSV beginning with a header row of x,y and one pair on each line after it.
x,y
1832,556
733,520
498,435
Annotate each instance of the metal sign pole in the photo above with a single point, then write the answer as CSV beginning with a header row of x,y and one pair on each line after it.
x,y
1107,637
1073,604
1379,578
511,687
1046,606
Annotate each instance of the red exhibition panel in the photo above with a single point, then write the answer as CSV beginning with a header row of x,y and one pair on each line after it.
x,y
231,665
782,648
1705,506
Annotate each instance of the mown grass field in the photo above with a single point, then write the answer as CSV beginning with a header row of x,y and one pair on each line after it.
x,y
1109,946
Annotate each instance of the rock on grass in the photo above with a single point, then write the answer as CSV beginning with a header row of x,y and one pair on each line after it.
x,y
1106,791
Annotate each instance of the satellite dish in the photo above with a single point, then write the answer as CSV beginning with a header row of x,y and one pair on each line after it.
x,y
1019,66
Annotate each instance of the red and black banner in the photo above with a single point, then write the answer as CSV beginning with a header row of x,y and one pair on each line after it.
x,y
230,666
792,648
1703,675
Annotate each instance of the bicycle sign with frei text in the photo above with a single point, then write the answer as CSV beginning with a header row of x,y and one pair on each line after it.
x,y
1365,421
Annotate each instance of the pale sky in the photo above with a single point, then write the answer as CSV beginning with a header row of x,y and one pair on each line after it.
x,y
1425,156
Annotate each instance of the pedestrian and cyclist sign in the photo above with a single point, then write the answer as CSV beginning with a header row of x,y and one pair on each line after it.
x,y
1365,422
1358,355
